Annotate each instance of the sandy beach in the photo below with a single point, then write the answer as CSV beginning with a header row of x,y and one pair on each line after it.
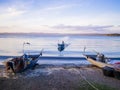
x,y
58,77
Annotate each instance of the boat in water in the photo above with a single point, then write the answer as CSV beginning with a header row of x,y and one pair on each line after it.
x,y
62,46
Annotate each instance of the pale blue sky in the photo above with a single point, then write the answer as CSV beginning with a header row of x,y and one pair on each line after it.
x,y
62,16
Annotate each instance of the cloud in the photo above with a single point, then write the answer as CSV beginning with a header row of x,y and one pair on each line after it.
x,y
13,8
63,29
115,29
11,13
60,7
31,9
72,15
62,26
88,29
8,12
15,12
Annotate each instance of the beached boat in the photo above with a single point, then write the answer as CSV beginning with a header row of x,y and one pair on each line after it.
x,y
111,70
19,64
93,59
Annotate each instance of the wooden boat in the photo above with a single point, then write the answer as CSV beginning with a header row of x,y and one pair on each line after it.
x,y
19,64
62,46
92,59
111,70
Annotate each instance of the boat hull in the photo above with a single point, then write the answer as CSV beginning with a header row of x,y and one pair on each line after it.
x,y
20,64
111,70
92,59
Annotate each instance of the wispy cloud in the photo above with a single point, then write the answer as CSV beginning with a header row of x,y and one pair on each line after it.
x,y
30,9
89,28
73,15
59,7
15,12
63,29
11,13
82,27
12,9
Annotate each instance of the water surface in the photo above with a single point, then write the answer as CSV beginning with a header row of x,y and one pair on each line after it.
x,y
12,45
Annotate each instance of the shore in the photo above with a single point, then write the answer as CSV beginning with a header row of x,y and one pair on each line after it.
x,y
58,77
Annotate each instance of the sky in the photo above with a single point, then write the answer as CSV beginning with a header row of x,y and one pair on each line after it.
x,y
60,16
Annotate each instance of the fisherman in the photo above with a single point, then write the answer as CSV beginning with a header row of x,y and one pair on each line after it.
x,y
61,46
25,57
26,60
100,57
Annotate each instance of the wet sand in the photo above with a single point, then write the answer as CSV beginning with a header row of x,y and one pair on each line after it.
x,y
57,77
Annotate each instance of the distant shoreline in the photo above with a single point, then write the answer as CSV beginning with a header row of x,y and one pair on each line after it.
x,y
59,34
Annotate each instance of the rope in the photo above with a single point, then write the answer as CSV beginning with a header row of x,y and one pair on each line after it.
x,y
88,82
84,78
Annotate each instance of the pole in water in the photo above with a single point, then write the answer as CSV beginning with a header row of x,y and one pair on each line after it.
x,y
84,48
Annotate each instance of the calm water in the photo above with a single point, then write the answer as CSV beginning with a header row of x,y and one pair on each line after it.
x,y
13,45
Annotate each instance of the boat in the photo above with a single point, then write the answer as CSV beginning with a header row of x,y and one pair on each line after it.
x,y
62,46
21,63
111,70
93,59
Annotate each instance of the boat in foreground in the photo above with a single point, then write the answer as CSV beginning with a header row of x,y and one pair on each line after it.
x,y
19,64
99,60
93,59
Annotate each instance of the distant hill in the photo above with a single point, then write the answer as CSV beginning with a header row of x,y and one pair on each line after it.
x,y
114,34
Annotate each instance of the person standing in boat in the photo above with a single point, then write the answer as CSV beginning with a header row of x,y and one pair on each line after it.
x,y
100,57
61,46
25,56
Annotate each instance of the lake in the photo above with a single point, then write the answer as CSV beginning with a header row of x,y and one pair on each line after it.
x,y
12,45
